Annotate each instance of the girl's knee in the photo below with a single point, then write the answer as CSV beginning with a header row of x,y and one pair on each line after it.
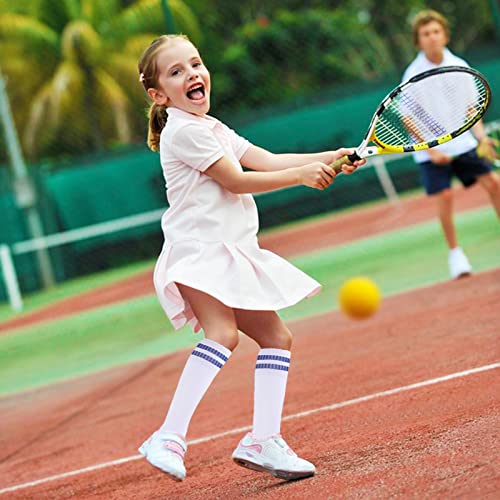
x,y
228,338
286,340
280,339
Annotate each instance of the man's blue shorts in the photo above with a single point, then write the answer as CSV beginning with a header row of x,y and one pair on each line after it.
x,y
467,167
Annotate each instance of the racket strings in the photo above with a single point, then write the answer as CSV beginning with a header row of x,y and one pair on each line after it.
x,y
431,108
389,131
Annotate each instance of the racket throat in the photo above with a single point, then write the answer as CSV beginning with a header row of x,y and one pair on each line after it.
x,y
354,157
366,153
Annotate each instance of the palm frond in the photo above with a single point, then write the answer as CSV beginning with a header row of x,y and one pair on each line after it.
x,y
186,20
24,77
67,86
73,9
55,14
123,67
80,42
33,129
54,100
19,7
148,16
29,31
114,98
137,44
100,13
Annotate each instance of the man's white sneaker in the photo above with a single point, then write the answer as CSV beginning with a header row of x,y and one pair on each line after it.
x,y
272,455
166,451
458,263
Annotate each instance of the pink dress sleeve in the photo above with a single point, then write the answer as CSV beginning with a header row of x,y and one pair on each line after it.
x,y
238,144
196,146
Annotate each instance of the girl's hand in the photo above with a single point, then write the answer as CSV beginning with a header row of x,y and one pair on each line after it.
x,y
316,175
339,153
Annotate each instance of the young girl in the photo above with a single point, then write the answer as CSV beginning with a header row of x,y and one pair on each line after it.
x,y
211,272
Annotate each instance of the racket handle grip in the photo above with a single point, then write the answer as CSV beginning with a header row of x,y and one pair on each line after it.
x,y
345,160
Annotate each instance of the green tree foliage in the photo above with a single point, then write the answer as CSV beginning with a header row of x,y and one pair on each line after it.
x,y
298,53
72,69
471,20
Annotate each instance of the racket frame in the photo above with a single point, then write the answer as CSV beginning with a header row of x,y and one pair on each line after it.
x,y
365,151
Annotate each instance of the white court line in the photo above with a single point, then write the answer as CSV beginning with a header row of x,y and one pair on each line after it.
x,y
231,432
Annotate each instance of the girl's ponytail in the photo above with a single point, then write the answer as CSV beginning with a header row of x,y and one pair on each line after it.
x,y
157,115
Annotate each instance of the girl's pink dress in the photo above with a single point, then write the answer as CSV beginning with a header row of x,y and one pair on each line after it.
x,y
210,233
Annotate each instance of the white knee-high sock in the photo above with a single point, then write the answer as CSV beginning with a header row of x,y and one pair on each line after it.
x,y
271,374
203,365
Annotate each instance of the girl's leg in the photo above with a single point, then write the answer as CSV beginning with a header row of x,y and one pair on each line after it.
x,y
264,449
165,449
221,337
271,369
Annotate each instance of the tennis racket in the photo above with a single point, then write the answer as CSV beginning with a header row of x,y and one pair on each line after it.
x,y
429,109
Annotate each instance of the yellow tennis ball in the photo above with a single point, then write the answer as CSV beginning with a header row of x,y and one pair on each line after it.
x,y
359,297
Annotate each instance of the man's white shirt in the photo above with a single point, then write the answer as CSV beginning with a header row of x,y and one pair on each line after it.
x,y
461,144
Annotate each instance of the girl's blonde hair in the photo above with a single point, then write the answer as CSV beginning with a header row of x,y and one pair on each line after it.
x,y
148,76
425,17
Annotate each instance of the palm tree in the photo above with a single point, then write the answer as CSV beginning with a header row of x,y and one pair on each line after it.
x,y
72,68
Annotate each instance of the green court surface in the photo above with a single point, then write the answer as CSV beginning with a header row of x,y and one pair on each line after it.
x,y
132,330
74,287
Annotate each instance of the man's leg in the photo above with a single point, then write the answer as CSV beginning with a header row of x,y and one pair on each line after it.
x,y
445,213
491,183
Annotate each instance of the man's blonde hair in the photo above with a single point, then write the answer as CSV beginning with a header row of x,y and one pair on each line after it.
x,y
425,17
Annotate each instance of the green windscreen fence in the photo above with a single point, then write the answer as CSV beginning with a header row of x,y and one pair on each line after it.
x,y
106,189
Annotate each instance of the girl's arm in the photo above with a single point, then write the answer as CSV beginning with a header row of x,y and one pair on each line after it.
x,y
316,175
256,158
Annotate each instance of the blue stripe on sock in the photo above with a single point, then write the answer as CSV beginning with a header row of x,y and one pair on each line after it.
x,y
212,350
206,357
272,357
272,367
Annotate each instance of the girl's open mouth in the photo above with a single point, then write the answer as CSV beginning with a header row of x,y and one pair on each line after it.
x,y
197,92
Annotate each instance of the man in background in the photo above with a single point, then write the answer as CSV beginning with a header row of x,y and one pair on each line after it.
x,y
457,158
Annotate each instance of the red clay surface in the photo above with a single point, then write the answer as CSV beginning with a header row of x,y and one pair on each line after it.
x,y
329,231
437,441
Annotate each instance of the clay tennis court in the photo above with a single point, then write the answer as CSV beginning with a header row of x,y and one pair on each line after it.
x,y
405,404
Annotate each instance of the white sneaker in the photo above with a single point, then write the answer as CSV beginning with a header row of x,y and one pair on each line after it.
x,y
272,455
458,263
166,451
